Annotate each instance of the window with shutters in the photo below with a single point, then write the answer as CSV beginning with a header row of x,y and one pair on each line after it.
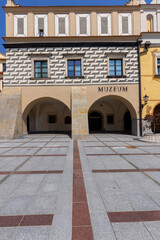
x,y
20,25
61,25
104,24
41,25
83,24
125,24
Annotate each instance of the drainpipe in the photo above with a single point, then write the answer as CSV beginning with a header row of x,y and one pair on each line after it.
x,y
147,44
139,41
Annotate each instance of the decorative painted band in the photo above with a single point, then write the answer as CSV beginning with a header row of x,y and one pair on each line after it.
x,y
70,44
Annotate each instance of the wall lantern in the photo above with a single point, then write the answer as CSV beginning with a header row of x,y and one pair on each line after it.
x,y
145,98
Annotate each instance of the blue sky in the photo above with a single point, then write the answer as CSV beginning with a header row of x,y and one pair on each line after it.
x,y
52,3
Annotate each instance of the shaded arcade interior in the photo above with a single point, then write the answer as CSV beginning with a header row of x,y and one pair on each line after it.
x,y
47,116
110,114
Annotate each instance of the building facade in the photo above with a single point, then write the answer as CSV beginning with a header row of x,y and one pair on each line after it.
x,y
73,69
150,58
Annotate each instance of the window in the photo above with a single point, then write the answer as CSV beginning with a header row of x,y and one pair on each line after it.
x,y
125,24
40,69
115,67
67,120
104,24
110,119
158,66
149,23
52,118
4,67
74,68
41,32
20,25
83,24
61,25
41,25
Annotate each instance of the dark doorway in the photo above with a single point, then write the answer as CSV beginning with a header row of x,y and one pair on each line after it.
x,y
156,126
127,122
28,124
95,122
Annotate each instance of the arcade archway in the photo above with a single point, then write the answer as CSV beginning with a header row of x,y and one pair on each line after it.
x,y
47,115
112,114
157,125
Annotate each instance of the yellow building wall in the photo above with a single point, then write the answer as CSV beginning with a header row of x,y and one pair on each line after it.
x,y
149,82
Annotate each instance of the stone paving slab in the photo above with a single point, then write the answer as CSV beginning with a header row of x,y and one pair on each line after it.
x,y
28,190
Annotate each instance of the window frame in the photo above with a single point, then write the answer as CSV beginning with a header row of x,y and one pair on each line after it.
x,y
158,65
41,68
74,57
157,56
35,57
116,57
4,68
129,15
108,15
74,65
87,15
36,30
57,16
24,16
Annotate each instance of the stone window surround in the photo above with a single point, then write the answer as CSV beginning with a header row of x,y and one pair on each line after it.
x,y
40,57
116,56
144,14
45,16
88,24
66,16
108,15
24,16
129,23
74,57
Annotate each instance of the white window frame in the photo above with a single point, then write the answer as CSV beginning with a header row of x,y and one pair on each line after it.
x,y
57,16
45,16
88,24
157,55
129,23
15,25
108,15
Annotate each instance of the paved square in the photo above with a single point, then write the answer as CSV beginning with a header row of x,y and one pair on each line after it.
x,y
106,187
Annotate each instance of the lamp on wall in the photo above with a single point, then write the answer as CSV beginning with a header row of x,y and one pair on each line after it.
x,y
145,98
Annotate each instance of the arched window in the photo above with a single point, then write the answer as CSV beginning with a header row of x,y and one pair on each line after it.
x,y
149,23
67,120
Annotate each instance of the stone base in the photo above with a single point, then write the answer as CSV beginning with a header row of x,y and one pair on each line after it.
x,y
10,113
76,137
79,113
153,138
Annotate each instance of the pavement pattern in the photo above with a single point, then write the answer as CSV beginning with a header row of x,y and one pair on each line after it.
x,y
103,188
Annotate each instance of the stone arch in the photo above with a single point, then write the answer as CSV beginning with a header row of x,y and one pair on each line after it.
x,y
49,106
117,101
